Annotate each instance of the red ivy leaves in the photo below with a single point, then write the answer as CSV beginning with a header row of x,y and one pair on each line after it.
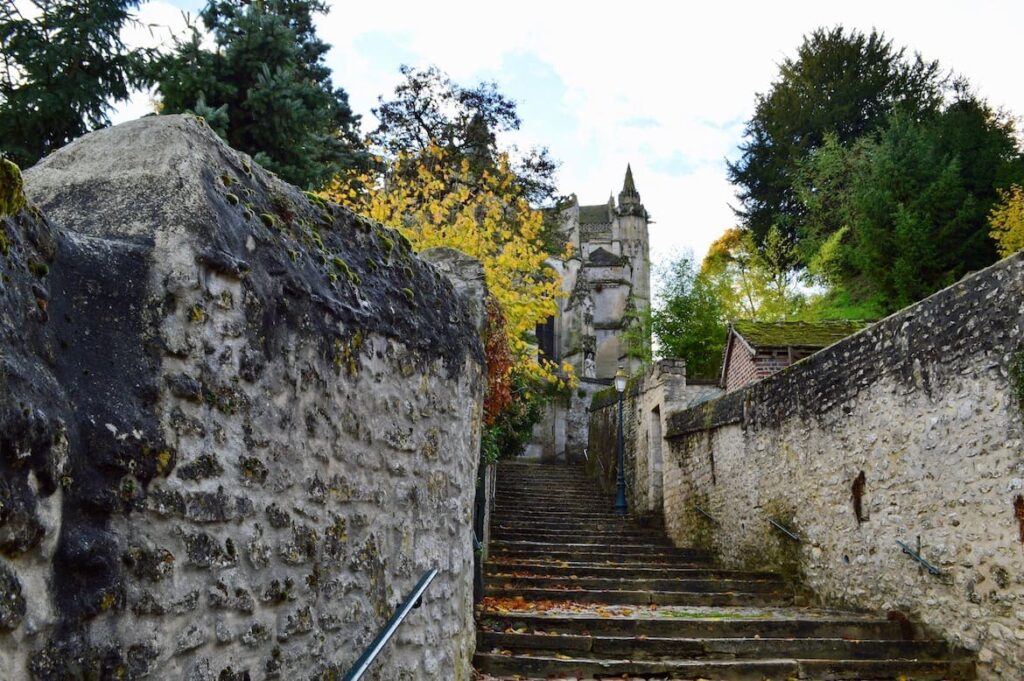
x,y
499,363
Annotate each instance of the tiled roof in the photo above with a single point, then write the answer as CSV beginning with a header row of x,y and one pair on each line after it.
x,y
796,334
591,215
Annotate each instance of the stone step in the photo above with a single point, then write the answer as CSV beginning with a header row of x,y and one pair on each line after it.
x,y
641,597
695,623
602,521
654,648
565,535
552,489
576,590
634,584
567,519
601,552
613,527
513,562
568,492
556,536
544,666
598,507
559,513
549,487
497,567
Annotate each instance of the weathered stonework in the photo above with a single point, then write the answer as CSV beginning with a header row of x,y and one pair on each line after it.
x,y
230,442
648,400
911,428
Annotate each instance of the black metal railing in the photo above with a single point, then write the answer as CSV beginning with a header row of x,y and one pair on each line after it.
x,y
371,653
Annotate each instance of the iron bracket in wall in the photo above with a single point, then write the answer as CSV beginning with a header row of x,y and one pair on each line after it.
x,y
789,533
916,555
706,514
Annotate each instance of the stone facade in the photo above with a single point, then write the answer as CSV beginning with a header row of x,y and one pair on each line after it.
x,y
606,281
237,424
910,430
648,400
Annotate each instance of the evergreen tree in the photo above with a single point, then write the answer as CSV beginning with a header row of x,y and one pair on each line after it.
x,y
843,83
266,88
64,63
913,203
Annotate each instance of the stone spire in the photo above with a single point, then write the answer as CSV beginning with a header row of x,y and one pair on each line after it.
x,y
629,197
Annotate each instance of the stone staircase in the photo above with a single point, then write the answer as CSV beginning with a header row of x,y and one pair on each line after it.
x,y
574,591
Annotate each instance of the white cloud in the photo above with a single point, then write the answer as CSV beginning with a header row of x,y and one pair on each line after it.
x,y
692,68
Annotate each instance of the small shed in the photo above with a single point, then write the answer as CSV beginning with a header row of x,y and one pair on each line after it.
x,y
754,350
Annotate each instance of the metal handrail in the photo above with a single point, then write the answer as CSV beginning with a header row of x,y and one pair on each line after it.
x,y
916,555
787,532
370,654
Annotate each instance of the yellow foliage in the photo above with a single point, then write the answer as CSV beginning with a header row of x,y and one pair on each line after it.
x,y
433,201
1007,220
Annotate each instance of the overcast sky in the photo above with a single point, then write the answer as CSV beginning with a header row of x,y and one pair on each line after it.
x,y
664,86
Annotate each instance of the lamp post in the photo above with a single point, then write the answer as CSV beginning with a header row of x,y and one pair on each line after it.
x,y
620,476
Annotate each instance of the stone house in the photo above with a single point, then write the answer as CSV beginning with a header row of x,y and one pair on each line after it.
x,y
755,350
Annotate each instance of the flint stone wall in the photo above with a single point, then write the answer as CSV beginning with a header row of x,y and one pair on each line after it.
x,y
912,427
237,424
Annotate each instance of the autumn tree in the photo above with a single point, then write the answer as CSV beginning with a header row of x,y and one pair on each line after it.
x,y
752,281
428,109
434,200
62,68
1007,220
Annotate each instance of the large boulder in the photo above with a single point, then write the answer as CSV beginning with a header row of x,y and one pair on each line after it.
x,y
239,422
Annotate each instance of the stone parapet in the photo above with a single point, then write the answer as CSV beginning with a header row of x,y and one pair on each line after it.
x,y
911,428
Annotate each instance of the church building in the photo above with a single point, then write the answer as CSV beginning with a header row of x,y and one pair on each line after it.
x,y
598,326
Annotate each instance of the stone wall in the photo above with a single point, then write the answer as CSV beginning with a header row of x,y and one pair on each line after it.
x,y
237,424
910,428
648,399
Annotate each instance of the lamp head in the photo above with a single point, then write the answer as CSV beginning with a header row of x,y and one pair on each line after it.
x,y
620,380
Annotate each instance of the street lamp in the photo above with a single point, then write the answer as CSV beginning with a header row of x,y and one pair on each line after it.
x,y
620,478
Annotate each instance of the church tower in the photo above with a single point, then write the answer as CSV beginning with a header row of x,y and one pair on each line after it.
x,y
633,236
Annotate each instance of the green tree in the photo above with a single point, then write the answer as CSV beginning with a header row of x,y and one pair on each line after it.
x,y
266,88
908,211
688,319
64,64
843,83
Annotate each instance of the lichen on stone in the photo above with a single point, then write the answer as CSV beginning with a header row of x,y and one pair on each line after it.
x,y
12,188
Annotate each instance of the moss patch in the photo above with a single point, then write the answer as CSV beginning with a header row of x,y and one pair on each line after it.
x,y
12,189
1017,377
